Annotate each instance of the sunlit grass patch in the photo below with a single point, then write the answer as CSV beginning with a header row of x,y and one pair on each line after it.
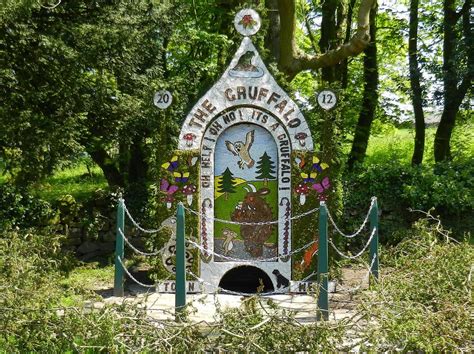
x,y
397,145
74,180
90,277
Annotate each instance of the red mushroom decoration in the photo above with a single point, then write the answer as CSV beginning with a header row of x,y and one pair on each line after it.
x,y
188,190
301,136
302,190
169,200
189,138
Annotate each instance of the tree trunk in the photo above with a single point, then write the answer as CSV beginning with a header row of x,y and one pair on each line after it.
x,y
442,148
272,39
416,92
369,102
107,164
453,95
136,191
345,62
328,36
138,168
123,158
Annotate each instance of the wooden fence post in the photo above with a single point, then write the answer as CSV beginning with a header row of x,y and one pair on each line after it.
x,y
180,296
323,300
119,249
374,244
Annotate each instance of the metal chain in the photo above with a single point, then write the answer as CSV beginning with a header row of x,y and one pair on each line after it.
x,y
133,278
364,279
152,231
360,228
136,249
309,276
306,213
204,216
232,259
358,254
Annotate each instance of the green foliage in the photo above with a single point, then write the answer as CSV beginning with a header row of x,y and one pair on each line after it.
x,y
97,66
247,330
18,208
31,264
449,189
462,141
424,300
89,277
92,213
120,328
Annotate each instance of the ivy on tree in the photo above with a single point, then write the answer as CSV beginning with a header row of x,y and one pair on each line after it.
x,y
265,168
226,184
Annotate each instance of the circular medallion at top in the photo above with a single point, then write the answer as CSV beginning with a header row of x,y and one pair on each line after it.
x,y
247,22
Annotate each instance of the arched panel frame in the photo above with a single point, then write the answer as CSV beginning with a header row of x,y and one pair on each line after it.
x,y
212,272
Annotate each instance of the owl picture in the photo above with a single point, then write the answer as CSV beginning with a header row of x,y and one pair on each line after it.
x,y
242,150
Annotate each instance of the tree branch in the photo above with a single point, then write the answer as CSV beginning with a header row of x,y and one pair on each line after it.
x,y
464,9
310,34
292,61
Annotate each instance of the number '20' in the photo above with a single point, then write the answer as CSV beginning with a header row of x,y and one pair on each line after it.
x,y
162,98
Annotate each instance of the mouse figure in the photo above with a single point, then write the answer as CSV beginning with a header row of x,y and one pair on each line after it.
x,y
228,245
281,280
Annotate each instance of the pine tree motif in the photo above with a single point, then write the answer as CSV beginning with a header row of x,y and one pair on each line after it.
x,y
226,184
265,168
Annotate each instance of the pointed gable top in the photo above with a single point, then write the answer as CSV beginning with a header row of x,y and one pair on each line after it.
x,y
245,83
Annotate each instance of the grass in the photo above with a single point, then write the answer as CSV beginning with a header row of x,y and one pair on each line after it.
x,y
90,276
397,145
83,281
73,180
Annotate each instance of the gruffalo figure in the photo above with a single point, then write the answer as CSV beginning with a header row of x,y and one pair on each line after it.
x,y
254,209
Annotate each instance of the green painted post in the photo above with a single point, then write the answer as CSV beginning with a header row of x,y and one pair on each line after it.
x,y
180,296
119,249
374,244
323,299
